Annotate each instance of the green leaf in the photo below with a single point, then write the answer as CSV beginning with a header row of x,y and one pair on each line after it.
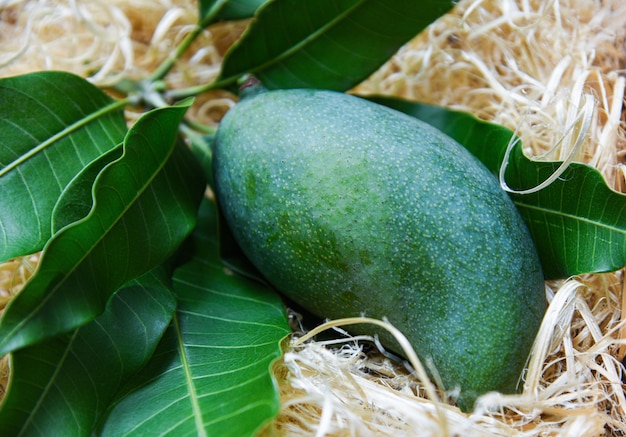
x,y
75,201
52,124
62,386
325,43
577,222
212,10
144,205
210,374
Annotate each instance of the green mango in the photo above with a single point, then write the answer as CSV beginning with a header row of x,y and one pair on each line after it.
x,y
350,208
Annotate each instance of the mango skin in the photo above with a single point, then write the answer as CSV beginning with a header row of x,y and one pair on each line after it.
x,y
351,208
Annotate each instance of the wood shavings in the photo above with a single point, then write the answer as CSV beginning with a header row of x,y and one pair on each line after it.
x,y
524,64
13,276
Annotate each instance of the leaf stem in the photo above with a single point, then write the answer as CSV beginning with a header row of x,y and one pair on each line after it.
x,y
195,90
201,147
113,106
174,55
200,127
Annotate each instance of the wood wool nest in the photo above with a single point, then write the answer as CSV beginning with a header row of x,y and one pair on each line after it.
x,y
525,64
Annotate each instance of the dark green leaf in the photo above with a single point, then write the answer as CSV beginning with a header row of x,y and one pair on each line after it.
x,y
52,124
230,253
200,146
210,375
144,205
577,222
212,10
326,44
61,386
75,201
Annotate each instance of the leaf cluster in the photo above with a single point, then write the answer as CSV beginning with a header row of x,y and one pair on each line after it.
x,y
132,324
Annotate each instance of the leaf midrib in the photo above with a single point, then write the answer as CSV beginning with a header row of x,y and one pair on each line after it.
x,y
304,42
91,247
554,212
50,384
111,107
193,396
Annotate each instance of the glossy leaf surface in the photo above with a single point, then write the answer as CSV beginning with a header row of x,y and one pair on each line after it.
x,y
326,44
75,201
52,125
144,205
61,386
210,374
578,222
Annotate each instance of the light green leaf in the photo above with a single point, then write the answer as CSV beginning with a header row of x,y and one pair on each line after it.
x,y
61,386
325,43
144,205
52,124
210,374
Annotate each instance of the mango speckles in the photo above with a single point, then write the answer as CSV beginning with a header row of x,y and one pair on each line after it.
x,y
351,208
